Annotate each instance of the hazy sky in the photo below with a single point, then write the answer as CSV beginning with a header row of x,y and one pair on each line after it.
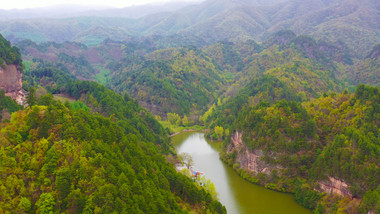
x,y
21,4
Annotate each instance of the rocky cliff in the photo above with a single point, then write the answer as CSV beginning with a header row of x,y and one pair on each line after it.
x,y
335,186
11,82
252,161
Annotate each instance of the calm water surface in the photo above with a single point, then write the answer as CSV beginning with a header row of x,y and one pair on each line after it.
x,y
238,195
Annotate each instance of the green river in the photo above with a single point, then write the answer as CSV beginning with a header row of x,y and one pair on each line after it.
x,y
237,194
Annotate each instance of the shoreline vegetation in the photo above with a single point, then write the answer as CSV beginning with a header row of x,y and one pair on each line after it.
x,y
186,130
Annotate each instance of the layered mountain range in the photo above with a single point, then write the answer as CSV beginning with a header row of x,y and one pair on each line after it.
x,y
352,22
280,81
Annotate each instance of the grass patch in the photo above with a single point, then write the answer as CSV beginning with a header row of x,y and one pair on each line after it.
x,y
174,128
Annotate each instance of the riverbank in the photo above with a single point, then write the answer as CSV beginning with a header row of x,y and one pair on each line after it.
x,y
237,194
186,130
177,129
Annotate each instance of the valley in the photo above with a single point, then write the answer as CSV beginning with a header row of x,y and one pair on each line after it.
x,y
286,92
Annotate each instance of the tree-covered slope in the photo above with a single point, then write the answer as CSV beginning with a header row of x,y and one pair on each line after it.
x,y
179,80
173,79
366,71
7,106
352,22
61,159
99,153
9,54
296,61
301,146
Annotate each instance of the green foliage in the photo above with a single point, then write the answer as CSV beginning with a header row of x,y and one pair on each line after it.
x,y
24,205
79,63
31,98
371,201
307,197
42,73
179,80
266,88
82,162
174,119
367,70
7,103
79,105
219,131
8,54
185,121
332,136
46,203
204,118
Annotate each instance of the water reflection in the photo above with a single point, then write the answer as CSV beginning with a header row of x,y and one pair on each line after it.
x,y
238,195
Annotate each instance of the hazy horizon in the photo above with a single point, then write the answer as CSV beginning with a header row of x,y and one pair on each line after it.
x,y
25,4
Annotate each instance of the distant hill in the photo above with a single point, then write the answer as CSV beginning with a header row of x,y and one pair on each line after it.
x,y
163,78
368,70
354,23
67,10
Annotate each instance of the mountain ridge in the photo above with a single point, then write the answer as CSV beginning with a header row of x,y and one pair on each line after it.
x,y
223,20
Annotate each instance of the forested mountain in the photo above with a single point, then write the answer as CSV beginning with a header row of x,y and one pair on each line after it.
x,y
185,80
63,159
368,70
211,21
163,80
67,10
171,80
101,152
310,147
287,128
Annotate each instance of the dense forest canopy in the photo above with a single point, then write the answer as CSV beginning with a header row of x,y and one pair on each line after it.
x,y
100,153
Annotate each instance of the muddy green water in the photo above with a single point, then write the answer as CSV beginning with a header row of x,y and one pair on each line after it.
x,y
238,195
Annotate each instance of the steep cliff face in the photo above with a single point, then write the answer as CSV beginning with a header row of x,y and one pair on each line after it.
x,y
250,160
11,82
335,186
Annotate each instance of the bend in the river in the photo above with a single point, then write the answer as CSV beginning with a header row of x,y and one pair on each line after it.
x,y
237,194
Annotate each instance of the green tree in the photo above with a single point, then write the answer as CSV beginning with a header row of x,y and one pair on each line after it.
x,y
207,114
46,203
219,131
227,132
185,121
173,118
24,205
31,97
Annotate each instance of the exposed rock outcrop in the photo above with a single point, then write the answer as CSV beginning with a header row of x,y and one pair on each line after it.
x,y
250,160
11,82
335,186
